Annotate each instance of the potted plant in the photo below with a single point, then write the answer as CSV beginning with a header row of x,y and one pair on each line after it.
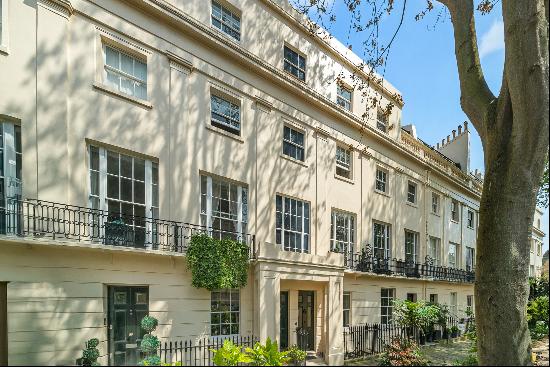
x,y
296,356
454,331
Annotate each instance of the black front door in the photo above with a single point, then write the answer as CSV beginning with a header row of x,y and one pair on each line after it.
x,y
127,306
306,320
284,320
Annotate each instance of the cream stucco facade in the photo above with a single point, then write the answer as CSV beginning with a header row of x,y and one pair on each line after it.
x,y
59,110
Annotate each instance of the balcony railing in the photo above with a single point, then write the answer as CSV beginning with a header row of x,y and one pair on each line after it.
x,y
45,219
366,262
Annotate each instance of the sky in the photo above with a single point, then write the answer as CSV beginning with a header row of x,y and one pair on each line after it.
x,y
422,66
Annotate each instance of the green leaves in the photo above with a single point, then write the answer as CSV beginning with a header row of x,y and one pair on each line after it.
x,y
261,355
149,323
267,355
217,264
91,353
230,355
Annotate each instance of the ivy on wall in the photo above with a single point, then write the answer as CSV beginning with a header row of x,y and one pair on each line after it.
x,y
217,264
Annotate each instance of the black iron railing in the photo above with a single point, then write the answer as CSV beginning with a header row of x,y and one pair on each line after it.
x,y
366,262
45,219
367,339
200,352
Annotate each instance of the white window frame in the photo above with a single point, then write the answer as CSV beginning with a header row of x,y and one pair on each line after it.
x,y
232,13
294,144
304,221
384,240
453,304
414,194
11,177
471,219
122,74
348,310
455,208
470,258
387,316
436,203
381,121
452,254
470,302
434,250
415,237
4,32
341,100
292,64
344,165
235,125
345,247
231,293
382,178
207,212
151,189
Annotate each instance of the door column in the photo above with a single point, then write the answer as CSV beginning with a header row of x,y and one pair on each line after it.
x,y
335,341
268,292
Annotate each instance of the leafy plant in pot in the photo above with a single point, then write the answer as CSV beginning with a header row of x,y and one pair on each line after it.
x,y
454,331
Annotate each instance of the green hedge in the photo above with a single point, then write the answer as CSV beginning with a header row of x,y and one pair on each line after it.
x,y
217,264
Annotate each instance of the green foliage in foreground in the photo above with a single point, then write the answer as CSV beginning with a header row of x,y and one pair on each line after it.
x,y
267,354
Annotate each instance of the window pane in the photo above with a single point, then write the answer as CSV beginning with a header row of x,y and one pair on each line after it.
x,y
112,163
111,57
112,187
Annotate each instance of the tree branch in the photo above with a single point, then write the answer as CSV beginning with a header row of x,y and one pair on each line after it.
x,y
476,96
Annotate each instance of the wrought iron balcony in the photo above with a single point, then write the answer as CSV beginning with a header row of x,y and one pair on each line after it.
x,y
44,219
366,262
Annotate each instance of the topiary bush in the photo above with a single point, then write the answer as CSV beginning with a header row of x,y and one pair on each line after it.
x,y
90,354
217,264
149,343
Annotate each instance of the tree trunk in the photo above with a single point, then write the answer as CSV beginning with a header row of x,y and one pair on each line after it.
x,y
514,132
503,253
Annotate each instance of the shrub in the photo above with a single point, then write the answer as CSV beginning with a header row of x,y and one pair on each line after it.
x,y
538,287
295,355
267,355
402,352
217,264
229,355
90,354
540,330
149,343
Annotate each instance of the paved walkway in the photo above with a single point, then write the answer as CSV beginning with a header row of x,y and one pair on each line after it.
x,y
313,360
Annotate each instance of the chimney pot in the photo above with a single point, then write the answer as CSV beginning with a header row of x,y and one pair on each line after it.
x,y
454,134
437,145
442,142
448,138
459,129
465,125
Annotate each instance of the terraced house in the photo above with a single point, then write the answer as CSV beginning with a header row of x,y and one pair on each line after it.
x,y
127,126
